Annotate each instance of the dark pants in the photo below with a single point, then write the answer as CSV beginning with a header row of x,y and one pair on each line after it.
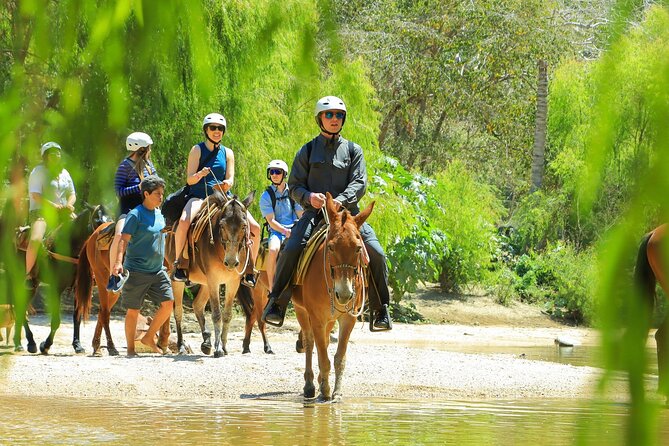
x,y
300,234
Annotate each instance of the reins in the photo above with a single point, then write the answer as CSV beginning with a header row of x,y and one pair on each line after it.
x,y
349,307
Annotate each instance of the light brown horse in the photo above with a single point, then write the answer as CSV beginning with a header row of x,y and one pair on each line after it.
x,y
94,262
259,296
333,290
219,257
651,268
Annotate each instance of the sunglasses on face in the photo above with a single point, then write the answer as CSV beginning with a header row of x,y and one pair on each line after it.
x,y
338,115
213,128
275,172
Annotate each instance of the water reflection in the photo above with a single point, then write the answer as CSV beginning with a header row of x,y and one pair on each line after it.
x,y
285,420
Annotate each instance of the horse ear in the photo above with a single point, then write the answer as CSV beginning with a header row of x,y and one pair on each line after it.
x,y
362,216
330,206
249,198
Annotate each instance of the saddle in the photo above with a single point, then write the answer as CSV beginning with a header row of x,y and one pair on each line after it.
x,y
314,242
199,225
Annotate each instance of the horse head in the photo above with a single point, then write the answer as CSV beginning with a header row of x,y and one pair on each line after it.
x,y
232,231
344,249
99,215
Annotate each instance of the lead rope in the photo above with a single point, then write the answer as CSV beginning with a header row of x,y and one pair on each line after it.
x,y
330,289
211,232
325,260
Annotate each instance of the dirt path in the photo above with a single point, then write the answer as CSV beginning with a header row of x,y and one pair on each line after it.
x,y
411,361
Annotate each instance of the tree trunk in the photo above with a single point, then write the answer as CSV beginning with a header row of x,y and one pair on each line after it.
x,y
539,152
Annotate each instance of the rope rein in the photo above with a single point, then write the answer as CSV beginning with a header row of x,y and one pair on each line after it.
x,y
358,272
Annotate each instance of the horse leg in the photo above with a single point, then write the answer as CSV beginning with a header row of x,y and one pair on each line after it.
x,y
76,333
217,319
230,293
321,339
104,315
45,346
21,323
178,292
308,342
662,340
346,324
198,308
248,328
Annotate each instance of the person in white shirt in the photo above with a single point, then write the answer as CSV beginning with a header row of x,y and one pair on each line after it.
x,y
51,191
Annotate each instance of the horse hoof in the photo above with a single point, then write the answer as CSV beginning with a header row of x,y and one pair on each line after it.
x,y
112,351
19,348
43,348
78,348
219,354
205,348
299,347
310,393
268,350
246,350
183,350
97,354
32,348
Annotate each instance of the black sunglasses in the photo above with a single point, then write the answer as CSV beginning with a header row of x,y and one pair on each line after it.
x,y
275,171
338,115
220,128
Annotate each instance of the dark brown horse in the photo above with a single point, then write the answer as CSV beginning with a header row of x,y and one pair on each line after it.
x,y
333,290
57,268
219,252
94,263
651,268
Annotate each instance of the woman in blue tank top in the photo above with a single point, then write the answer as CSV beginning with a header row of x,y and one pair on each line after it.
x,y
217,172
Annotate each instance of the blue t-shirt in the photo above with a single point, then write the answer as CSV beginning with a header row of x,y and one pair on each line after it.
x,y
283,213
146,248
218,166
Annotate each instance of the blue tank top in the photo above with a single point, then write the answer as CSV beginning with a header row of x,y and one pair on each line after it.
x,y
218,166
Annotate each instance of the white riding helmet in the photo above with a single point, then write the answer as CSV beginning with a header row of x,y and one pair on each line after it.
x,y
277,164
137,140
49,145
214,118
329,103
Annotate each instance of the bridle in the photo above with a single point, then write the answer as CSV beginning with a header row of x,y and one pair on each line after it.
x,y
226,243
357,272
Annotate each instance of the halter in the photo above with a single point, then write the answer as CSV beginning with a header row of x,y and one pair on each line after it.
x,y
358,272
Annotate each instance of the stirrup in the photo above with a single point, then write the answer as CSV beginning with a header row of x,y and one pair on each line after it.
x,y
250,279
180,275
372,321
273,314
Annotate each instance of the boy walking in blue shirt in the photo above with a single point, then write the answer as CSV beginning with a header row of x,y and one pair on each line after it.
x,y
143,243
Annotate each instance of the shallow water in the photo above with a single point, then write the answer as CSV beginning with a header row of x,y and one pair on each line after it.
x,y
285,420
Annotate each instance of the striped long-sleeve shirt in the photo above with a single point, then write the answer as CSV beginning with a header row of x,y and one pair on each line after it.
x,y
126,184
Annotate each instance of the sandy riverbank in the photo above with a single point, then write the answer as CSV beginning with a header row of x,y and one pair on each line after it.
x,y
411,361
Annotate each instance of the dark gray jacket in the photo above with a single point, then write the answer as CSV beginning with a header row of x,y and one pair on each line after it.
x,y
333,168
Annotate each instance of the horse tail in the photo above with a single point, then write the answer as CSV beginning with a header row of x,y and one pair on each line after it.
x,y
245,299
83,283
644,277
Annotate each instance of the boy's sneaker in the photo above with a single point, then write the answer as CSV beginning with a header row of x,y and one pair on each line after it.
x,y
116,282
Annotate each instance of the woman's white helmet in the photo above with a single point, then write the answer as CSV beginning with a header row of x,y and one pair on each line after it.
x,y
329,103
214,118
277,164
47,146
137,140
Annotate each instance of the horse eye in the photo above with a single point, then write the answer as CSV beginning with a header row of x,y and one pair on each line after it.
x,y
358,249
330,247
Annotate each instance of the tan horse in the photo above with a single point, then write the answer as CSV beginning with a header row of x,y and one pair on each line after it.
x,y
650,268
259,297
94,263
219,255
333,290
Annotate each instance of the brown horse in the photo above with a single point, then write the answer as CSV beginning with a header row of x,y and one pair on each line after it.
x,y
58,269
94,263
259,298
219,253
651,268
333,290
